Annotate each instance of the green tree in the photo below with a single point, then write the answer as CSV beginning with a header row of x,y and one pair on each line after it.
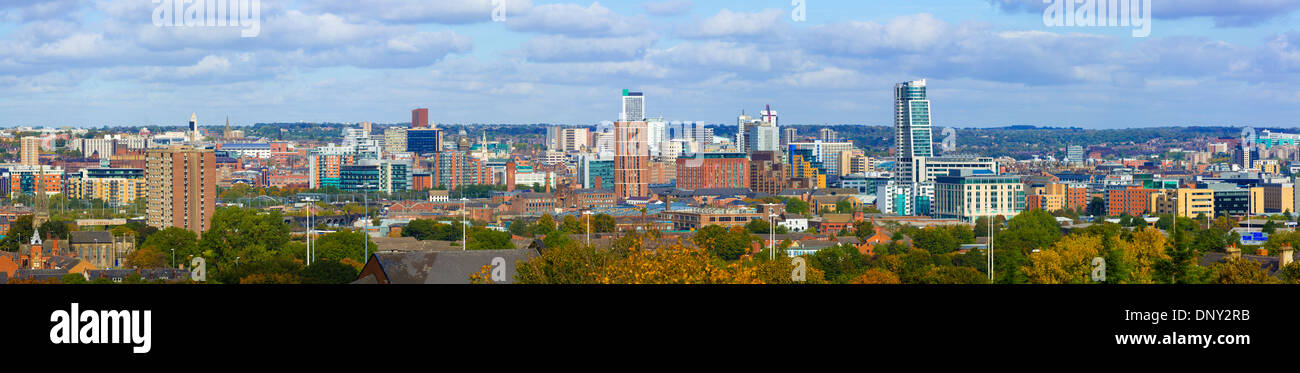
x,y
184,242
251,236
602,223
728,244
844,207
20,232
328,271
572,225
486,239
545,225
1029,231
342,244
74,279
935,240
796,206
757,226
1097,207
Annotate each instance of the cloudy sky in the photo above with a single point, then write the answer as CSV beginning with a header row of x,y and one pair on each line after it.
x,y
989,63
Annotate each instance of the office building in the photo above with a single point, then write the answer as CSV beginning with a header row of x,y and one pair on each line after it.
x,y
969,195
31,151
631,160
422,141
1074,154
767,174
595,172
182,187
1184,202
633,107
395,140
713,171
420,118
114,186
912,136
325,163
455,169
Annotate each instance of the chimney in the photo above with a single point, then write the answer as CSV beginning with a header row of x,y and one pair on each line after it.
x,y
54,246
1288,255
1234,252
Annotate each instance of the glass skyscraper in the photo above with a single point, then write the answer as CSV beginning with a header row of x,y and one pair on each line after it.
x,y
912,120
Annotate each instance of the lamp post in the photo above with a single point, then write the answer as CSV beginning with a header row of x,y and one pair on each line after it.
x,y
588,214
464,228
771,234
173,257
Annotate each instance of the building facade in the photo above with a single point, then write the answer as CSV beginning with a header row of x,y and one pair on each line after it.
x,y
182,188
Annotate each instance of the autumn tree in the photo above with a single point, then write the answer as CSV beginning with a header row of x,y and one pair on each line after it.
x,y
876,276
1142,252
1067,262
1240,272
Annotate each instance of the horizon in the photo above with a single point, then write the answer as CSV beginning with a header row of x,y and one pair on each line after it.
x,y
989,63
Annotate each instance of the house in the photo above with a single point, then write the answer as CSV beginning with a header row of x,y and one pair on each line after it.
x,y
439,267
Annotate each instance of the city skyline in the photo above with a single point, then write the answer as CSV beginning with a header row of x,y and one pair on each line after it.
x,y
992,62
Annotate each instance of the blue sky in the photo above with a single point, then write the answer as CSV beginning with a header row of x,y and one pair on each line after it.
x,y
989,63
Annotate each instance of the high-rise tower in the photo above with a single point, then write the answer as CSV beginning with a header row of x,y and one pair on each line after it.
x,y
912,134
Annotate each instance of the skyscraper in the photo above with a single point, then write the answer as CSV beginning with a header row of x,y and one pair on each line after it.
x,y
182,184
194,128
631,160
911,126
31,151
420,118
787,136
633,107
912,120
1074,154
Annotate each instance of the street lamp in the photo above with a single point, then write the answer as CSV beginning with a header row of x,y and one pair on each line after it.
x,y
588,214
771,234
463,227
173,257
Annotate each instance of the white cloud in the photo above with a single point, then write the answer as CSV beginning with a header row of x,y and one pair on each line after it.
x,y
669,7
566,49
729,24
576,20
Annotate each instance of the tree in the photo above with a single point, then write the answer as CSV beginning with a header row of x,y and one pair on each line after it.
x,y
796,206
545,225
757,226
864,229
844,207
1097,207
950,275
1290,274
876,276
728,244
520,228
573,226
342,245
148,258
56,229
20,232
75,279
1067,262
328,271
1031,230
487,239
935,240
247,235
184,242
1142,253
602,223
1240,272
1270,227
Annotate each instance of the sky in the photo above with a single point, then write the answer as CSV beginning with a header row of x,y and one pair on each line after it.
x,y
987,62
